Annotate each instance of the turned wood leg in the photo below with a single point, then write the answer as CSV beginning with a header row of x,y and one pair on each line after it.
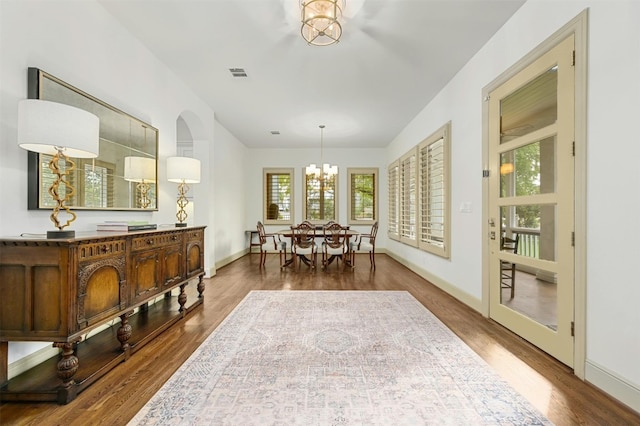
x,y
67,367
182,297
200,286
124,331
68,364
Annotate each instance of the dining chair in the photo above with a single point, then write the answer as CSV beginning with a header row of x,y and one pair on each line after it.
x,y
303,244
334,244
508,269
263,238
273,211
365,243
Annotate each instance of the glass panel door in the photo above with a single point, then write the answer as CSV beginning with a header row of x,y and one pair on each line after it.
x,y
531,202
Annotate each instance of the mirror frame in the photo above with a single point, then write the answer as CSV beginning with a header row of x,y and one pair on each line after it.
x,y
36,83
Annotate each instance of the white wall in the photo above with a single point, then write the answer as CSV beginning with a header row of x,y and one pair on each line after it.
x,y
92,52
79,51
298,159
229,180
81,43
613,153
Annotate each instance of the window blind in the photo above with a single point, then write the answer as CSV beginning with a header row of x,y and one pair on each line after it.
x,y
432,193
96,191
278,196
408,197
393,228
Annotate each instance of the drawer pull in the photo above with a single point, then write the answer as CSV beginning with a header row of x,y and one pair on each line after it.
x,y
150,242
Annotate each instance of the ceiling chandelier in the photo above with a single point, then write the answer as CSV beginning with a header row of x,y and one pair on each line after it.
x,y
320,21
325,170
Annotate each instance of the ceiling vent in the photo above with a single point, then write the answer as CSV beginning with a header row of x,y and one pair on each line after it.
x,y
275,132
238,72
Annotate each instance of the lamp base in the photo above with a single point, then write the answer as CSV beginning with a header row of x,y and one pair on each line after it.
x,y
181,225
61,234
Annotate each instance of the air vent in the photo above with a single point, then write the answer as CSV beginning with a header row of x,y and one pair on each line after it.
x,y
275,132
238,72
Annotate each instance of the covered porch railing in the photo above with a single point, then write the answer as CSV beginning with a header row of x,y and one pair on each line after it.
x,y
529,243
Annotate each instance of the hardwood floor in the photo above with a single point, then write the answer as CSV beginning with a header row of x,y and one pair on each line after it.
x,y
116,397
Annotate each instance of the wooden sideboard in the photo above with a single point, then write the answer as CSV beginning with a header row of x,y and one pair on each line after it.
x,y
61,290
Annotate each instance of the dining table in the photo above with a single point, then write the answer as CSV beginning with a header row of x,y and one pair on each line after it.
x,y
319,235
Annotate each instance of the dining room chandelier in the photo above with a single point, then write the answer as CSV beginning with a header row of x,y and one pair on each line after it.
x,y
325,170
321,21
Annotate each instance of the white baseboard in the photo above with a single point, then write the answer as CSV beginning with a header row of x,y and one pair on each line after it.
x,y
467,299
627,393
222,262
605,380
28,362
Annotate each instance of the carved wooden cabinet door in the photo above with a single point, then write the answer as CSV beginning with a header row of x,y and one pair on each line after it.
x,y
101,281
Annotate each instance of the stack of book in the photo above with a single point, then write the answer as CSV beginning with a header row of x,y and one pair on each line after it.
x,y
121,226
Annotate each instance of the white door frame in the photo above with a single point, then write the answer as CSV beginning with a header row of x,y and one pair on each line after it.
x,y
578,27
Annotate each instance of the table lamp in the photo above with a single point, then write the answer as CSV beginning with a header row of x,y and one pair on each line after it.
x,y
183,170
141,170
62,131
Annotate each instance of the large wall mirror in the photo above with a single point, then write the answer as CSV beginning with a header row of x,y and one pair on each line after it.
x,y
111,181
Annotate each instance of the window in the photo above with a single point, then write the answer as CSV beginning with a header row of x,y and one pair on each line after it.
x,y
408,198
98,188
433,160
278,196
47,179
419,195
394,201
320,198
362,200
92,180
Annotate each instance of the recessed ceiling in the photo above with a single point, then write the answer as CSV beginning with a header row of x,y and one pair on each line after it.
x,y
393,58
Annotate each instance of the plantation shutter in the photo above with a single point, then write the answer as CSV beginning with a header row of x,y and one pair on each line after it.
x,y
278,199
393,227
432,184
408,198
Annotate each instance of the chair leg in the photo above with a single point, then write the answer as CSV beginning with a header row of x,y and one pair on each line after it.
x,y
513,279
372,259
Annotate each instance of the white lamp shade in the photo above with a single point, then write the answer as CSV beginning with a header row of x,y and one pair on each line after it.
x,y
137,169
44,126
183,169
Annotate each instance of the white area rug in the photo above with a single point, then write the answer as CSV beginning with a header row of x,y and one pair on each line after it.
x,y
335,358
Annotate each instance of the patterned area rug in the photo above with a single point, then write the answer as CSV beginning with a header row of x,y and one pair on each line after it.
x,y
335,358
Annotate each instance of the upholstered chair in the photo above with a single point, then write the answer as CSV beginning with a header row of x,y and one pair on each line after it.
x,y
365,243
267,241
334,244
303,244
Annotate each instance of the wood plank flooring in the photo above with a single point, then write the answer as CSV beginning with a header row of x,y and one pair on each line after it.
x,y
115,398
